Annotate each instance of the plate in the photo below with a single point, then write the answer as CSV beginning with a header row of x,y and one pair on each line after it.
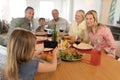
x,y
44,61
48,49
66,57
83,46
70,60
63,33
41,38
40,33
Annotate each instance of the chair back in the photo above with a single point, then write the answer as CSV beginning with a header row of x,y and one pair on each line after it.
x,y
117,48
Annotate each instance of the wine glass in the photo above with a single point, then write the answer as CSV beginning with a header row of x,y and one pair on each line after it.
x,y
61,29
45,28
77,40
49,32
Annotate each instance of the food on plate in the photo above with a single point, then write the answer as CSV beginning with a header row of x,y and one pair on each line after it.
x,y
83,46
70,39
63,44
70,54
47,55
43,55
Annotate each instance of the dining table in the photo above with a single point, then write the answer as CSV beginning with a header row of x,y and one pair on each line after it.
x,y
109,69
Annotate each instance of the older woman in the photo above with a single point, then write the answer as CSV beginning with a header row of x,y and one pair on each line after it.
x,y
100,35
78,27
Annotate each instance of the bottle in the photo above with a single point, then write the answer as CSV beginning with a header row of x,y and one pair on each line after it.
x,y
54,33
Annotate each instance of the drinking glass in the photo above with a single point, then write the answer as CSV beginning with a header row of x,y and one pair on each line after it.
x,y
95,57
77,40
61,29
49,32
45,28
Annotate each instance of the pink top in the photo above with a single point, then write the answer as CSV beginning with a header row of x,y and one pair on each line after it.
x,y
103,39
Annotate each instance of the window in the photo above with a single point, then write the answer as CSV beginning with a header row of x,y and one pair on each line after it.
x,y
44,10
17,8
1,8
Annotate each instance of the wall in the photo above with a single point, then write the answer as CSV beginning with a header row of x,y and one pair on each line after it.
x,y
105,11
35,5
5,12
87,5
68,8
117,12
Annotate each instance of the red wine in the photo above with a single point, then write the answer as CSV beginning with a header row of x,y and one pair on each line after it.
x,y
77,42
61,30
49,35
45,30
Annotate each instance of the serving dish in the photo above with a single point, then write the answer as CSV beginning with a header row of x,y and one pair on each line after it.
x,y
70,55
83,46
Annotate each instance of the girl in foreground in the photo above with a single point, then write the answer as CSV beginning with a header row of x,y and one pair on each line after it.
x,y
20,49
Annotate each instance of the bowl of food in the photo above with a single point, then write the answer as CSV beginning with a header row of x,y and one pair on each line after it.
x,y
47,56
70,54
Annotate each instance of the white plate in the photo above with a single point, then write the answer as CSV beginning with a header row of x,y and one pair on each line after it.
x,y
40,38
83,46
48,49
41,33
71,60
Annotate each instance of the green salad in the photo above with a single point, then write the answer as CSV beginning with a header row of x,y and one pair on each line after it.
x,y
70,55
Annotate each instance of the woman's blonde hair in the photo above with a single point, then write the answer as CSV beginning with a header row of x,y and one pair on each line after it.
x,y
20,48
94,14
82,13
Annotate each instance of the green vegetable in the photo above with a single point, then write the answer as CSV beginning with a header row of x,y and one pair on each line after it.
x,y
70,57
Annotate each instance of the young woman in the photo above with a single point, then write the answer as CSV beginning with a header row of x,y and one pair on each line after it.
x,y
20,49
100,35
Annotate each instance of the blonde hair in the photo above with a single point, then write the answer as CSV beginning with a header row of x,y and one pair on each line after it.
x,y
94,14
20,48
82,13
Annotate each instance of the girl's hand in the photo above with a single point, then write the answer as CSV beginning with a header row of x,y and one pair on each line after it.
x,y
37,53
55,52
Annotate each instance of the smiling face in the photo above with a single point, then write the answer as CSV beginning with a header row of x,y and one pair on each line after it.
x,y
79,16
90,21
42,22
55,14
29,14
91,18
